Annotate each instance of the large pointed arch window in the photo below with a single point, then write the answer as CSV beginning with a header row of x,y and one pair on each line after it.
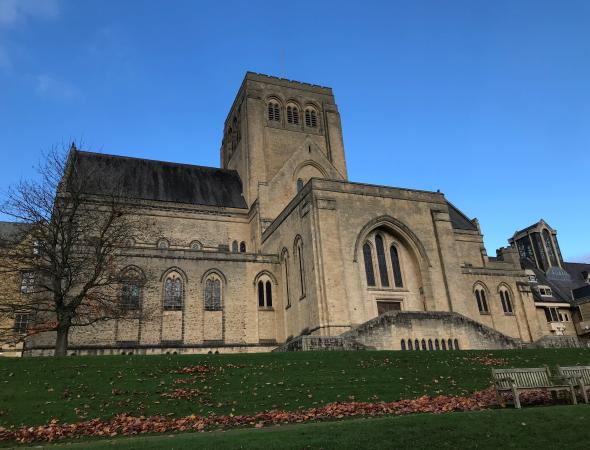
x,y
212,300
382,253
173,292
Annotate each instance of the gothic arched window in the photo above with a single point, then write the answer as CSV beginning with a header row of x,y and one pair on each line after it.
x,y
403,344
212,301
416,344
242,247
274,112
382,264
480,297
173,292
234,247
368,256
397,271
130,293
506,301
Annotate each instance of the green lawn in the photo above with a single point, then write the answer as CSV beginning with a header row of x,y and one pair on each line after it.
x,y
35,390
543,427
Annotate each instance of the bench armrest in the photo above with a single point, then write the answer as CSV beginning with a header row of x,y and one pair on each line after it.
x,y
567,378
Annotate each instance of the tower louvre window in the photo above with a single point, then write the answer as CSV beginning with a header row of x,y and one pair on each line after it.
x,y
292,115
311,118
274,113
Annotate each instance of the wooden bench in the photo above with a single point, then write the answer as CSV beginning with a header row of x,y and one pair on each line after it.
x,y
525,379
580,375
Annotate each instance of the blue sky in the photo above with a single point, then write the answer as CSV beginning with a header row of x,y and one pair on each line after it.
x,y
488,101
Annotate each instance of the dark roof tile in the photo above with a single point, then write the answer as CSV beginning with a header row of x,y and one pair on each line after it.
x,y
162,181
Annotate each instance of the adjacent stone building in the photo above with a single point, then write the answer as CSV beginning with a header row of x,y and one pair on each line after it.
x,y
279,244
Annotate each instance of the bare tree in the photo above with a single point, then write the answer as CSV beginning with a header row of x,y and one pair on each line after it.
x,y
72,253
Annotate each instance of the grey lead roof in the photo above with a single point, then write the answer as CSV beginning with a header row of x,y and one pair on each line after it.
x,y
163,181
12,232
460,221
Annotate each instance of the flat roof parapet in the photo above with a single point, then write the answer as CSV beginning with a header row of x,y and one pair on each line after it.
x,y
285,81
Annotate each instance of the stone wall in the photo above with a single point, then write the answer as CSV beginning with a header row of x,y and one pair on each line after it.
x,y
387,331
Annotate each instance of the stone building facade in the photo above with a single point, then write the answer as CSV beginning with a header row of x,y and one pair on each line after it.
x,y
278,244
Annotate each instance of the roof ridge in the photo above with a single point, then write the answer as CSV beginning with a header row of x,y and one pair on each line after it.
x,y
109,155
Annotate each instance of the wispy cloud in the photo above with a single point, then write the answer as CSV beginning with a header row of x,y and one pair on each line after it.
x,y
13,12
16,14
48,86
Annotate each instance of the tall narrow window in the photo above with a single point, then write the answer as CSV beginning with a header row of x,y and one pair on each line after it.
x,y
242,247
506,301
213,293
268,294
286,275
301,269
274,113
381,261
397,271
368,255
480,297
234,246
173,292
403,344
261,294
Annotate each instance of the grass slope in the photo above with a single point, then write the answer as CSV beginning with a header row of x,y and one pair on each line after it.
x,y
548,427
36,390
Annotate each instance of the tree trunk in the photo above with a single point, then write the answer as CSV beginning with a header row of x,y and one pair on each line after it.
x,y
61,341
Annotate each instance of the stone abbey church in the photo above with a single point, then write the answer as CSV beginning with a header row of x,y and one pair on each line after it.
x,y
278,249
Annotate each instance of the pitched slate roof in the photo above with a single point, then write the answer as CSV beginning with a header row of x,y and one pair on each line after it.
x,y
162,181
460,221
12,232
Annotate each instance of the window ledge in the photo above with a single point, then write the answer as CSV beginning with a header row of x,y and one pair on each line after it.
x,y
387,289
509,314
266,308
485,313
